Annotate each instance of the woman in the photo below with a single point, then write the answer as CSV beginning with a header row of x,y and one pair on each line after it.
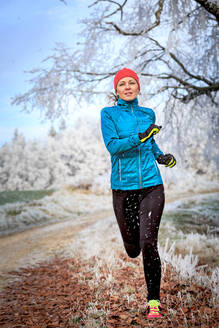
x,y
136,183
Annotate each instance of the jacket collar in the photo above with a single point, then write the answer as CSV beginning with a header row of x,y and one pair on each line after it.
x,y
127,104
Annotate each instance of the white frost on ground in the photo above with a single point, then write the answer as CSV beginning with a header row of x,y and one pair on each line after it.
x,y
62,204
103,240
198,244
187,267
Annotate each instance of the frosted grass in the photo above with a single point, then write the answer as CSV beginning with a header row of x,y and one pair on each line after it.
x,y
206,205
185,265
192,224
14,196
187,252
64,204
103,241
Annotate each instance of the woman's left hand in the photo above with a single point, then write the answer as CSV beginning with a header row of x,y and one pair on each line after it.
x,y
152,130
168,160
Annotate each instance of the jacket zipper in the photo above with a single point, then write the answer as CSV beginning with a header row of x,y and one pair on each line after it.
x,y
139,150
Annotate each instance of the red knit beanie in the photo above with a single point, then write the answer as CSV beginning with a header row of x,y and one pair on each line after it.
x,y
125,72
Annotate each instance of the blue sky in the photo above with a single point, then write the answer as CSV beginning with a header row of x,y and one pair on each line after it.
x,y
28,32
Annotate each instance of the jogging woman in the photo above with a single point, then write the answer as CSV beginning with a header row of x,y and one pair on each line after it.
x,y
136,183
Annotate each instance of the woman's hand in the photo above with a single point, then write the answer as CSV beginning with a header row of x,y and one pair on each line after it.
x,y
153,129
168,160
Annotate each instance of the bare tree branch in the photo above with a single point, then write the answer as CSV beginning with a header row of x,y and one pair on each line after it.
x,y
145,30
211,7
121,6
171,44
196,77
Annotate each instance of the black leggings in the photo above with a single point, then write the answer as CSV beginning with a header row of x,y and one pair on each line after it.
x,y
138,213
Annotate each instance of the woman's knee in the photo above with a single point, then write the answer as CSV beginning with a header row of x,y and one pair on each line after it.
x,y
148,246
133,250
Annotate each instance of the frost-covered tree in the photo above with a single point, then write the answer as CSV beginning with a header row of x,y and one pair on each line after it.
x,y
62,125
52,132
171,43
75,156
16,134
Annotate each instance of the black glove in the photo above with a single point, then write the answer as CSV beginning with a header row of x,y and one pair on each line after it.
x,y
168,160
153,129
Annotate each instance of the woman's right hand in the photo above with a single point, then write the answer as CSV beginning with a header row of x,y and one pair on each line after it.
x,y
153,129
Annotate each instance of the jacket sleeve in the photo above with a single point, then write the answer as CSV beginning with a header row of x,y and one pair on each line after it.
x,y
113,143
156,150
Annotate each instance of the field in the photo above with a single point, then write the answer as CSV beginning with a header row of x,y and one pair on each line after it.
x,y
87,280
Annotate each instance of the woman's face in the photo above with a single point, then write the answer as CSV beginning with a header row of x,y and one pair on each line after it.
x,y
127,89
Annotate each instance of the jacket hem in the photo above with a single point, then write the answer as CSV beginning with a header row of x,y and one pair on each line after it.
x,y
135,187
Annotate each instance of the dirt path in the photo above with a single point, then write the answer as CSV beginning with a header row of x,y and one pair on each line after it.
x,y
37,244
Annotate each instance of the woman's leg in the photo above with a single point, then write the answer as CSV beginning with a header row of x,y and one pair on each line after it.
x,y
126,208
151,208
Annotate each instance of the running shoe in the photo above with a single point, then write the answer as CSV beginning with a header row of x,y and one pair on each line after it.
x,y
153,309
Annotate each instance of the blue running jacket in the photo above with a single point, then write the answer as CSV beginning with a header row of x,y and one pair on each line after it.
x,y
133,162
